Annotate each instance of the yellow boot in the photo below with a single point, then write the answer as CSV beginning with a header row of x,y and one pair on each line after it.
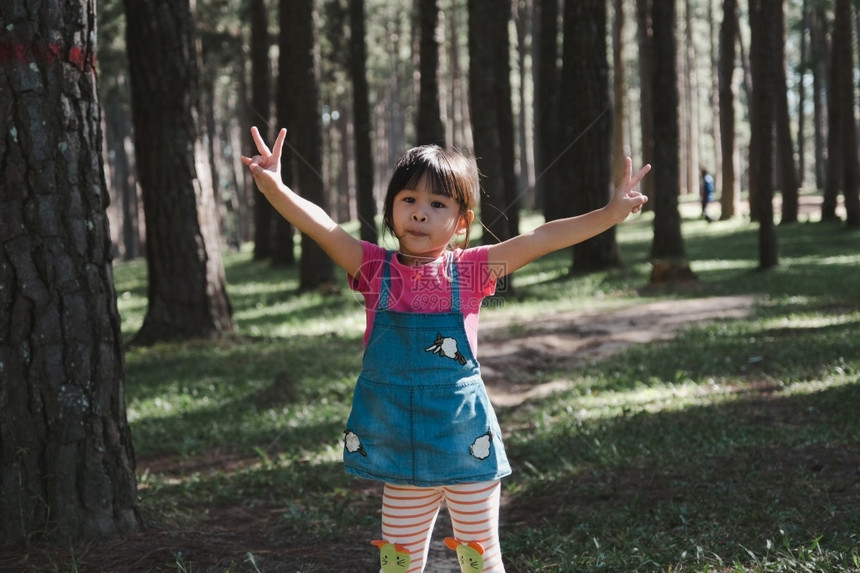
x,y
393,557
469,554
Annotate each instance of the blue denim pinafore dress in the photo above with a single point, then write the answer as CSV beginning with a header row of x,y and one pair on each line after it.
x,y
420,412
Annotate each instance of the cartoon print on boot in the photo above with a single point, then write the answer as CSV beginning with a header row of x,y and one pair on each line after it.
x,y
393,557
352,443
447,347
481,447
470,555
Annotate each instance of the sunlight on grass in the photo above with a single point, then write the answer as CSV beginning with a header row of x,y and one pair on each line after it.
x,y
723,265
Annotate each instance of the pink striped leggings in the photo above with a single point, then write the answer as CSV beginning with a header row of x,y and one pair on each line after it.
x,y
409,513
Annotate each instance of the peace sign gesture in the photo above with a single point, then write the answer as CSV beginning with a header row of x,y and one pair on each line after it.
x,y
266,167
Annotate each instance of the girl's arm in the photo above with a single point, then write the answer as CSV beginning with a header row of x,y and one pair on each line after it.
x,y
308,217
508,256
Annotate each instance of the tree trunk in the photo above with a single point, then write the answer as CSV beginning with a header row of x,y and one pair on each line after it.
x,y
525,173
486,132
645,39
430,128
587,119
261,104
787,171
187,294
546,87
843,87
819,52
458,117
730,182
283,249
619,94
762,63
66,457
366,203
691,105
714,94
801,93
118,135
503,101
315,267
668,243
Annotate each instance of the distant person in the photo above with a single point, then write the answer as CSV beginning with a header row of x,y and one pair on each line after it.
x,y
421,421
706,193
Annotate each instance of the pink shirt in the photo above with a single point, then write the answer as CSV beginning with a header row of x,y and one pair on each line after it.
x,y
426,288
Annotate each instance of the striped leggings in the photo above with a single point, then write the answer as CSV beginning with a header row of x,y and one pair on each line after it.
x,y
409,514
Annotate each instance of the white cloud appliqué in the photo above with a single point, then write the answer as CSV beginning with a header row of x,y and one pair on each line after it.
x,y
352,443
481,448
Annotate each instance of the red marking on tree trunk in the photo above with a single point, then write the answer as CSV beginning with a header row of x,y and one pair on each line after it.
x,y
20,53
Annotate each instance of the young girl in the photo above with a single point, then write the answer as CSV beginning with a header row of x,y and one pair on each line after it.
x,y
421,421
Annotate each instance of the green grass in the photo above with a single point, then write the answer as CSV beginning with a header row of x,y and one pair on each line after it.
x,y
733,447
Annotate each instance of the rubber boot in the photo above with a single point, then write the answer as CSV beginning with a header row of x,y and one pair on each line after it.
x,y
470,555
393,557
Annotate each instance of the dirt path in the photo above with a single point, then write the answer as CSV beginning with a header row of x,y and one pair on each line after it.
x,y
566,340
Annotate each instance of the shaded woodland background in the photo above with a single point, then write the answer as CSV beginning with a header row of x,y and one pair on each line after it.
x,y
243,81
548,95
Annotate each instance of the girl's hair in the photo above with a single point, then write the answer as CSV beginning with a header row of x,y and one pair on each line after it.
x,y
448,173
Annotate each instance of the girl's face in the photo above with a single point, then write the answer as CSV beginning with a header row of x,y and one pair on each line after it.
x,y
425,222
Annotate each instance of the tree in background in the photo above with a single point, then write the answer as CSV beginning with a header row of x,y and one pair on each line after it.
x,y
283,249
546,88
762,63
259,114
300,79
691,132
668,244
786,168
487,31
503,102
619,92
587,124
187,290
126,221
843,170
730,192
430,128
66,457
362,131
645,40
818,53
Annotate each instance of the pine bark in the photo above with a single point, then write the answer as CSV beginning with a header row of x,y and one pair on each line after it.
x,y
484,36
187,290
299,38
668,243
645,39
587,121
261,103
842,142
728,41
762,47
366,203
66,457
546,86
786,167
430,128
